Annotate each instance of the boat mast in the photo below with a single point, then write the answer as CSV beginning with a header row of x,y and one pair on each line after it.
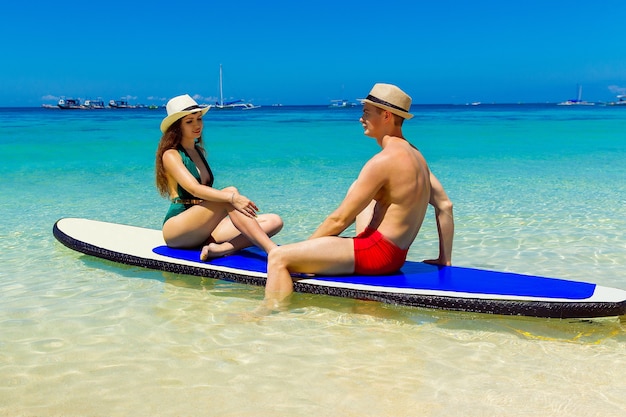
x,y
221,94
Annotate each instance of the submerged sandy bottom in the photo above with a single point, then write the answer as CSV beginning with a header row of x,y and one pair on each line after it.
x,y
125,341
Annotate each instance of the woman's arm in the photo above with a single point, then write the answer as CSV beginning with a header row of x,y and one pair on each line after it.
x,y
175,168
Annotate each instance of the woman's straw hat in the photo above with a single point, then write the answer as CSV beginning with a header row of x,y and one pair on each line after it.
x,y
391,98
179,107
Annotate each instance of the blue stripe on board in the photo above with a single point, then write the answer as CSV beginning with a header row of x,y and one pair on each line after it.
x,y
251,259
417,275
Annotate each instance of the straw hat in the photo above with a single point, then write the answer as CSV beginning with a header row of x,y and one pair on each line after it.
x,y
391,98
179,107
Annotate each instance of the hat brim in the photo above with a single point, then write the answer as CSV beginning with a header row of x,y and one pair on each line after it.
x,y
397,112
169,120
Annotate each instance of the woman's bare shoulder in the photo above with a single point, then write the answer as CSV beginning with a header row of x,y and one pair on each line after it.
x,y
171,153
171,156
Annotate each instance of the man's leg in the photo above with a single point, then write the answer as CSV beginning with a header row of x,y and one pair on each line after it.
x,y
325,255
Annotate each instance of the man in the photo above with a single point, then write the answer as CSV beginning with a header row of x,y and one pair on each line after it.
x,y
388,201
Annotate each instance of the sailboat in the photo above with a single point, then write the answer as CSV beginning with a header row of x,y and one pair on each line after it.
x,y
230,105
576,101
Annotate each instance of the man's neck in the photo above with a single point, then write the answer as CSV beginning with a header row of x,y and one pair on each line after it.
x,y
391,137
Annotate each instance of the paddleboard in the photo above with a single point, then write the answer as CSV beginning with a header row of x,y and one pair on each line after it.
x,y
416,284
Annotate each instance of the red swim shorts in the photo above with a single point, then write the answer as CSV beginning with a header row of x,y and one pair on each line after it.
x,y
375,255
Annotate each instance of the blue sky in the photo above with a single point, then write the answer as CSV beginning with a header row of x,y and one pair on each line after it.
x,y
309,52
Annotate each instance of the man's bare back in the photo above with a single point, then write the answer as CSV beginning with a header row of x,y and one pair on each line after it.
x,y
402,200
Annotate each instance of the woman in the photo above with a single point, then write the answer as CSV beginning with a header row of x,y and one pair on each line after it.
x,y
224,221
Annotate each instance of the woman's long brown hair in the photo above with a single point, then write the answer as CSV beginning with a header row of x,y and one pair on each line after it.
x,y
170,140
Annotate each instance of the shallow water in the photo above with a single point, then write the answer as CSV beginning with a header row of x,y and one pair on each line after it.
x,y
537,189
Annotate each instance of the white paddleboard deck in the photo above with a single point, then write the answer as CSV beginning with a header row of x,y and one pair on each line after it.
x,y
417,284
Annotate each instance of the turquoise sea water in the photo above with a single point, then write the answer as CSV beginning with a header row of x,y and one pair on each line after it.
x,y
538,189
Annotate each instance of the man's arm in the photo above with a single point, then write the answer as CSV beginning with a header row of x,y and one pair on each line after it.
x,y
445,221
359,196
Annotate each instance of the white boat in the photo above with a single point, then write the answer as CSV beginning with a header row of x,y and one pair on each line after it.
x,y
230,105
576,101
94,104
120,104
70,104
341,104
233,105
621,101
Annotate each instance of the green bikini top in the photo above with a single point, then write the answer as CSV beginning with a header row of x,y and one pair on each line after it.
x,y
191,167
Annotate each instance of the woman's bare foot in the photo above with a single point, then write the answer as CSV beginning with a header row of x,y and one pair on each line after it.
x,y
214,250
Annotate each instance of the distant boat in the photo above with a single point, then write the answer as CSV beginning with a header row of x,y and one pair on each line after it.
x,y
340,104
94,104
621,101
120,104
70,104
230,105
577,101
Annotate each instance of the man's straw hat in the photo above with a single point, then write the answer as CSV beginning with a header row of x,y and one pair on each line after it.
x,y
391,98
